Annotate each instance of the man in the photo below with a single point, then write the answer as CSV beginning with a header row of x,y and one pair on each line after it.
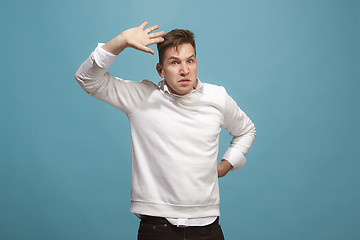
x,y
175,128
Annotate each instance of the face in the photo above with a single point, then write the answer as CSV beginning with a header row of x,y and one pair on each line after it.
x,y
179,69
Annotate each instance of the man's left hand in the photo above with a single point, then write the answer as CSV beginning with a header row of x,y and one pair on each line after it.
x,y
223,168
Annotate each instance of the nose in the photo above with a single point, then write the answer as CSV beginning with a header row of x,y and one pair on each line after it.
x,y
184,69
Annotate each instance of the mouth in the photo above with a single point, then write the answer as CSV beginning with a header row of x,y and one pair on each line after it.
x,y
185,80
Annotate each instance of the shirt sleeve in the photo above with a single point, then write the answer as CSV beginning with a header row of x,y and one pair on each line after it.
x,y
93,77
103,58
239,125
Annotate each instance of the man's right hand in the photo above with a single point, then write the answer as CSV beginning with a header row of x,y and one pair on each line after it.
x,y
138,38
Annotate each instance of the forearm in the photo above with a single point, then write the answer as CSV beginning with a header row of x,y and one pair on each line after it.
x,y
239,125
116,45
91,75
245,139
239,147
137,38
94,79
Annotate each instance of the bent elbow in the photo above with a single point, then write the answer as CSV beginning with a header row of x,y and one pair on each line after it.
x,y
84,83
254,131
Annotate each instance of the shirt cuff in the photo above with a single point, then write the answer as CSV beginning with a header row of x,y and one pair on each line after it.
x,y
235,157
103,58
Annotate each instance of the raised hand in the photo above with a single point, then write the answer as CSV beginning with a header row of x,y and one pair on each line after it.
x,y
138,38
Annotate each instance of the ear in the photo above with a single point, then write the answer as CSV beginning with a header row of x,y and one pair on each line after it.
x,y
160,70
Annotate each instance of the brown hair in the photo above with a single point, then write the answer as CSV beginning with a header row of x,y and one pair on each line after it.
x,y
175,38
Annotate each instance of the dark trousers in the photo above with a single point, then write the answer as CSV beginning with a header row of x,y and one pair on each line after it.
x,y
158,228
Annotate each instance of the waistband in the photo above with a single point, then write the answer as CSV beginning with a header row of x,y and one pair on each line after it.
x,y
162,220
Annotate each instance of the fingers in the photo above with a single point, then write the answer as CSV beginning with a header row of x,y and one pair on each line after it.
x,y
151,42
157,34
143,48
152,38
149,50
156,40
144,24
150,29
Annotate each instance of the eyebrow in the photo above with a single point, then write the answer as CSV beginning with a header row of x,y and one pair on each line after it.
x,y
174,57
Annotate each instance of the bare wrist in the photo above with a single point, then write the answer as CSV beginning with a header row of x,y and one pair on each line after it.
x,y
116,45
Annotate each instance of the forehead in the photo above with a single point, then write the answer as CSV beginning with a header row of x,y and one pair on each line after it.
x,y
182,51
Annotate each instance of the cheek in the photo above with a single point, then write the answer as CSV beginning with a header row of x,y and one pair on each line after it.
x,y
195,70
171,73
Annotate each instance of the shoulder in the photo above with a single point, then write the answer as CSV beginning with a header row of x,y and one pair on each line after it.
x,y
215,90
215,94
135,89
137,85
220,96
148,83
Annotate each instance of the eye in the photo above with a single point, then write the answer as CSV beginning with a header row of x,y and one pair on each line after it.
x,y
174,63
191,60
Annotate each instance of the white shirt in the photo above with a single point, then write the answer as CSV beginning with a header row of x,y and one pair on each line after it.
x,y
174,174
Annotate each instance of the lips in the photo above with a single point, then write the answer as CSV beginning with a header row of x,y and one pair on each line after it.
x,y
185,80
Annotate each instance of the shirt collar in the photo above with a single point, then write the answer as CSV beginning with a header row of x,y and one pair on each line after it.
x,y
163,87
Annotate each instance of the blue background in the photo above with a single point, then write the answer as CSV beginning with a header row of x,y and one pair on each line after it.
x,y
292,66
